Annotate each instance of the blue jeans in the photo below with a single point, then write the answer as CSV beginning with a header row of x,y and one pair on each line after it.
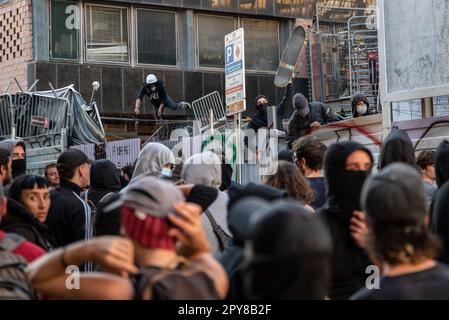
x,y
172,104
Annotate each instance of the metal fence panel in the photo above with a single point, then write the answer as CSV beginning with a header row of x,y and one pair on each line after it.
x,y
36,115
203,107
43,150
5,116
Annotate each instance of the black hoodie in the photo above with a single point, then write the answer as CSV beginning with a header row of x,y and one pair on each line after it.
x,y
349,262
442,163
156,97
232,256
439,222
260,119
397,147
104,179
20,221
69,217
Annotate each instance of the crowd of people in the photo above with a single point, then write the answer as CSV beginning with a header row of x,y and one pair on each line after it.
x,y
161,230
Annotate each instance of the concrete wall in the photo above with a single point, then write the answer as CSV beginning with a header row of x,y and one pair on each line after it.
x,y
417,44
15,42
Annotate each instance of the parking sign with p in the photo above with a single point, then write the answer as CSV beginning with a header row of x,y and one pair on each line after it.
x,y
230,53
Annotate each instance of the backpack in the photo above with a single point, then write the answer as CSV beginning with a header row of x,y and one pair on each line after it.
x,y
93,207
183,283
13,280
222,236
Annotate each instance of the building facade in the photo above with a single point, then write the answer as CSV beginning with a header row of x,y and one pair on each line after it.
x,y
118,43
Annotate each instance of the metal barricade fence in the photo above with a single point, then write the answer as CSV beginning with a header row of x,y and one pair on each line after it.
x,y
203,106
5,116
36,115
40,121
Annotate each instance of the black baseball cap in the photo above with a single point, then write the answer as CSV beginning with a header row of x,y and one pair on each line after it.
x,y
396,195
73,158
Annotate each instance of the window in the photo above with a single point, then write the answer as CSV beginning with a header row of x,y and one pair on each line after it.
x,y
211,31
441,106
406,110
106,34
156,37
64,30
261,44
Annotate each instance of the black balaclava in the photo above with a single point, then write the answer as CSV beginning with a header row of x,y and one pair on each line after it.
x,y
343,187
442,163
18,167
261,108
397,147
290,241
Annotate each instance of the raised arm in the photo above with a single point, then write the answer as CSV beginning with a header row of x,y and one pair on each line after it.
x,y
55,274
286,100
194,245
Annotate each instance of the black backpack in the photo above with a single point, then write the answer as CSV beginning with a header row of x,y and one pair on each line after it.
x,y
13,280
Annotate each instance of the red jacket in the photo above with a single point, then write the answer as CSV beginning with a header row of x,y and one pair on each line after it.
x,y
29,251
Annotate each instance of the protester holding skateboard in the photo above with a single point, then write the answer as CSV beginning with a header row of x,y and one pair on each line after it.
x,y
260,119
155,90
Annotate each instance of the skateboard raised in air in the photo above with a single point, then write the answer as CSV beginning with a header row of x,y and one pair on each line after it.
x,y
289,57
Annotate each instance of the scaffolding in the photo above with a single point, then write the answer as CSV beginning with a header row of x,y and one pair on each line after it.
x,y
343,54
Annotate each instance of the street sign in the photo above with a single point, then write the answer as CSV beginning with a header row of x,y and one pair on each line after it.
x,y
235,72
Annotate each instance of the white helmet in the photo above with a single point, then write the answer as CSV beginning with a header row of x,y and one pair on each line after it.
x,y
151,78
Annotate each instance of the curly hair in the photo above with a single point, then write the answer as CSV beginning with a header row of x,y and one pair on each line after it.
x,y
426,158
312,150
290,178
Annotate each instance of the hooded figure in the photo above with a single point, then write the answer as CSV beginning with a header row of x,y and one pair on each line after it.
x,y
226,176
238,221
344,187
104,180
439,222
397,147
442,163
360,105
205,169
290,242
260,119
305,116
152,159
18,166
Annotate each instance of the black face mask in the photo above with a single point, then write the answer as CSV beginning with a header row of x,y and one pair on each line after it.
x,y
262,108
346,187
18,167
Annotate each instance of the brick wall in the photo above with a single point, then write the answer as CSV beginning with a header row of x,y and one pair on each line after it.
x,y
16,46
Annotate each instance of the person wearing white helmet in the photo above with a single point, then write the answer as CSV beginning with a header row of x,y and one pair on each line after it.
x,y
155,90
